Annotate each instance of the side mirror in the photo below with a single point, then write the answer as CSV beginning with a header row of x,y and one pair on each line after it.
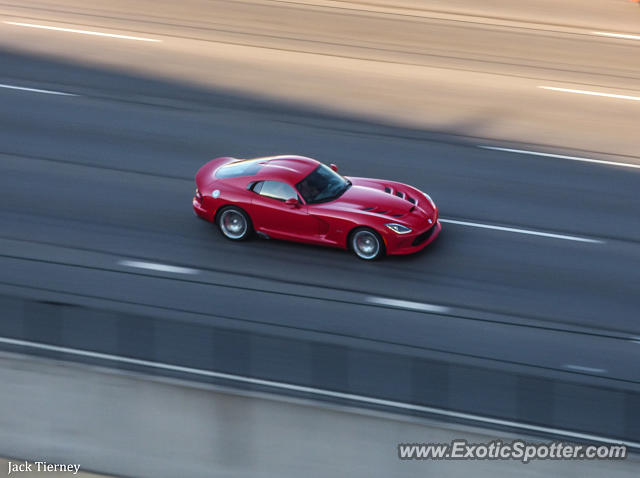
x,y
292,202
334,167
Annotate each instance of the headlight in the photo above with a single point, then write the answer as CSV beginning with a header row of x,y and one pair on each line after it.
x,y
399,228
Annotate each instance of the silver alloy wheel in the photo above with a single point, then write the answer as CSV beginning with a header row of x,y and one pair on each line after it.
x,y
233,224
365,244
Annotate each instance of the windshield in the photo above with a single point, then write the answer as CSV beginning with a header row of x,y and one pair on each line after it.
x,y
322,185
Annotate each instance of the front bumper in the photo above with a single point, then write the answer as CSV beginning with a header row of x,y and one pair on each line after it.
x,y
414,242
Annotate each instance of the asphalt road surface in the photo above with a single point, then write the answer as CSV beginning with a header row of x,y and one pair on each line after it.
x,y
537,265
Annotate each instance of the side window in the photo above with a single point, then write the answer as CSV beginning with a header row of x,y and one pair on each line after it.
x,y
276,190
255,186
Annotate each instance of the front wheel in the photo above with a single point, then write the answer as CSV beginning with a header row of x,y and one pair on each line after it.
x,y
366,244
234,223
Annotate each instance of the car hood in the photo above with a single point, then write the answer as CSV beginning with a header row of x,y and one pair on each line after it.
x,y
370,196
363,197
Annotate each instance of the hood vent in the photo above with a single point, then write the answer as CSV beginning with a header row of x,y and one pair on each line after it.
x,y
400,194
382,211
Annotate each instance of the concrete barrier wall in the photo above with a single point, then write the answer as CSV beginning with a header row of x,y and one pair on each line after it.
x,y
328,362
123,423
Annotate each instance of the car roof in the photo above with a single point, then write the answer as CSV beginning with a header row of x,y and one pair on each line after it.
x,y
291,169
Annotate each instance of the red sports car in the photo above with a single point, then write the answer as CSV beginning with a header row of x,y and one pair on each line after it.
x,y
300,199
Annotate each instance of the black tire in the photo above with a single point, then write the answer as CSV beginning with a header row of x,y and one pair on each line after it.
x,y
366,244
234,223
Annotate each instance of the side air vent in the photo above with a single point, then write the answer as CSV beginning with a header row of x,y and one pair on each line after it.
x,y
382,212
411,200
400,194
368,208
397,215
387,189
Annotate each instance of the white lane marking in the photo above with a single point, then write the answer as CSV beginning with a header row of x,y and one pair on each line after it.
x,y
315,391
35,90
561,156
523,231
158,267
591,93
617,35
83,32
580,368
406,304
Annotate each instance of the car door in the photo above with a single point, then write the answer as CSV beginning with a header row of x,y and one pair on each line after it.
x,y
279,220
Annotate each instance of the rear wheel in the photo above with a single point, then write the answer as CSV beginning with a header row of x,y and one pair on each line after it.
x,y
366,244
234,223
